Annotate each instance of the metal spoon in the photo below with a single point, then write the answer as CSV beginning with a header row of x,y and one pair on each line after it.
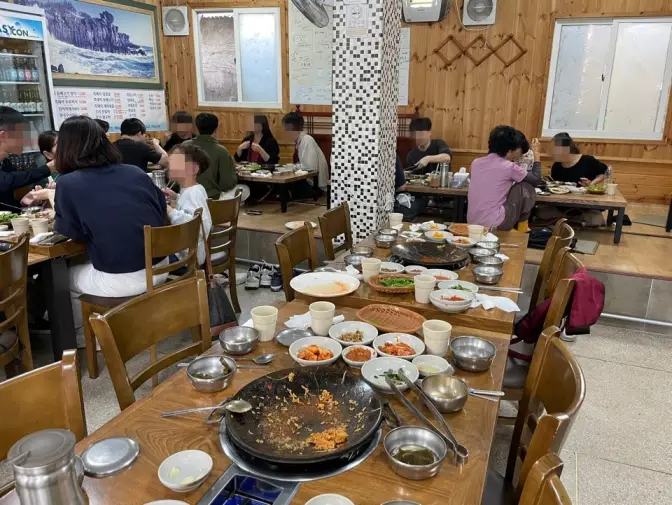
x,y
486,394
259,360
251,367
235,406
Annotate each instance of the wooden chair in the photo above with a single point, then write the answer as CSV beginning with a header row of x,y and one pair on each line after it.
x,y
543,486
14,336
563,235
222,240
553,394
135,326
49,397
333,223
293,248
160,242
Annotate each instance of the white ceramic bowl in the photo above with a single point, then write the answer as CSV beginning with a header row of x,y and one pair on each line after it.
x,y
358,364
465,284
441,274
374,370
414,269
370,332
326,342
433,227
329,499
437,362
463,242
452,307
388,265
417,344
185,471
438,236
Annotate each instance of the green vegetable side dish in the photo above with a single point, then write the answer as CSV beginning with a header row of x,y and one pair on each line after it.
x,y
596,188
461,288
6,218
397,282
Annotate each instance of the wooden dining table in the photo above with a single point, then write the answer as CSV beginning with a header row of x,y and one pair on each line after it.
x,y
514,245
373,482
282,181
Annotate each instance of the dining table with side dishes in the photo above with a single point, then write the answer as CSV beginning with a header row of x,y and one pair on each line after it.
x,y
372,482
282,180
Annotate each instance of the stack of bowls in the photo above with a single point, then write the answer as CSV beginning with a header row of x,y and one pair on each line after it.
x,y
239,340
214,367
477,253
385,241
440,300
472,353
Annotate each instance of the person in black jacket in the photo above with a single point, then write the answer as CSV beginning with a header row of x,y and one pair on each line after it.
x,y
12,142
259,146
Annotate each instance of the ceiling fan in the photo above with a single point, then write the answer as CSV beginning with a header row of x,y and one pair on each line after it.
x,y
314,11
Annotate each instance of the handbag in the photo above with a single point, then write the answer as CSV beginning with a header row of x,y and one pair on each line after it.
x,y
221,312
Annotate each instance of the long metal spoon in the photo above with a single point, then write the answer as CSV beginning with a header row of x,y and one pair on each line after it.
x,y
259,360
235,406
251,367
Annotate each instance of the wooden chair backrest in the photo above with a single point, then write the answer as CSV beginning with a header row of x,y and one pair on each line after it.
x,y
47,398
556,386
135,326
333,223
543,486
224,214
13,279
161,241
561,287
563,235
293,248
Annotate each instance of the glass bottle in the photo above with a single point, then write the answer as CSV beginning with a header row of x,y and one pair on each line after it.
x,y
35,73
39,105
13,72
20,71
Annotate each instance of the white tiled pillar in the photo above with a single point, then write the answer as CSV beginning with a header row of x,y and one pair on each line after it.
x,y
365,89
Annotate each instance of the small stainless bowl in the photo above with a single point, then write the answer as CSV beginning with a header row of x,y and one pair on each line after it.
x,y
385,241
239,340
211,365
491,261
388,231
478,252
422,437
290,335
489,245
487,274
447,392
472,353
362,250
354,260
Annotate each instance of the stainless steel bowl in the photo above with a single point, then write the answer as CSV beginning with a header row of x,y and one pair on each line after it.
x,y
489,245
239,340
472,353
212,365
385,241
477,253
447,392
421,437
487,274
388,231
491,261
362,250
30,210
354,260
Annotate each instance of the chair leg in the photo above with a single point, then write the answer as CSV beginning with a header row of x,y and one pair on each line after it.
x,y
24,339
90,342
152,360
511,395
233,289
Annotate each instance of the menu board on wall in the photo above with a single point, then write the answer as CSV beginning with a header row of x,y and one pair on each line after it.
x,y
112,105
310,50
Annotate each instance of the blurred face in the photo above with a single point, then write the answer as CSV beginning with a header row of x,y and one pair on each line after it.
x,y
12,141
514,155
292,134
181,169
258,128
422,138
560,153
183,128
49,155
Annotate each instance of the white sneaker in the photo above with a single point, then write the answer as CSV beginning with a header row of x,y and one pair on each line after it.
x,y
567,338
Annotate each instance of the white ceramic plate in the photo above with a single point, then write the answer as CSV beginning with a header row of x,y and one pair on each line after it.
x,y
417,344
415,269
465,284
370,332
441,274
358,364
490,237
438,236
462,242
410,234
388,265
433,227
185,471
329,499
327,343
293,225
374,372
437,363
324,284
448,306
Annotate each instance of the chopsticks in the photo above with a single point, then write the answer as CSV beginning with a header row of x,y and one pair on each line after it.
x,y
516,291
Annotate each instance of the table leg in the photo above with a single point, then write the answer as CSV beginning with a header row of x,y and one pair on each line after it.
x,y
460,203
610,217
59,306
284,197
619,225
316,189
668,226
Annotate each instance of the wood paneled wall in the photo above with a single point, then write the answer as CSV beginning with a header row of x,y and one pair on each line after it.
x,y
463,100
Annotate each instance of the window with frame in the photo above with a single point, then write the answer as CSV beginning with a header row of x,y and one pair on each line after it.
x,y
609,78
238,57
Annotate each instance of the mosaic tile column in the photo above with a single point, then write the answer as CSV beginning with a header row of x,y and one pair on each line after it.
x,y
365,95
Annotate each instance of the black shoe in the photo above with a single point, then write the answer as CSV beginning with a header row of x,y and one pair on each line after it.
x,y
276,281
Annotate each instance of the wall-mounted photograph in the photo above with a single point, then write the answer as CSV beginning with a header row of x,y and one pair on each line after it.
x,y
114,41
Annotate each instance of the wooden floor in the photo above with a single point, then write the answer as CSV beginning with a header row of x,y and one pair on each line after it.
x,y
635,210
273,220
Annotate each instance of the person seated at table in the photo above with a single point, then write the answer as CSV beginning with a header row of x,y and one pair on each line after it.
x,y
411,206
259,146
569,165
186,162
106,205
497,199
47,142
183,130
308,153
136,149
428,152
104,125
12,141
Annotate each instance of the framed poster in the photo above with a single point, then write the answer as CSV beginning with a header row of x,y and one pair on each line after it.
x,y
111,43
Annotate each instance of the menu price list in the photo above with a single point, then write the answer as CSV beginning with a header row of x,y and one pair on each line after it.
x,y
112,106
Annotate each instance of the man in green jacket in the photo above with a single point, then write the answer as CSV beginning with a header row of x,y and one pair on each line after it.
x,y
221,176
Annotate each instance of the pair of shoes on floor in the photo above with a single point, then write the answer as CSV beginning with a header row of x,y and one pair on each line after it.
x,y
264,276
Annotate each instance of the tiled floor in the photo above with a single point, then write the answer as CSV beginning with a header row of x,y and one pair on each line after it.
x,y
620,448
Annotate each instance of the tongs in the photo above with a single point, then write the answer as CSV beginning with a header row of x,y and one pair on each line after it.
x,y
461,452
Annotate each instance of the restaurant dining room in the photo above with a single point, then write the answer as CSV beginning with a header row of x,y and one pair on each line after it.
x,y
335,252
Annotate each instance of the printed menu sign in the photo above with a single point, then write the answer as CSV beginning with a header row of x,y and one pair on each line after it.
x,y
112,105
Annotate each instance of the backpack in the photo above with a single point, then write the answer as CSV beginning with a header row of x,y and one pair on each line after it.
x,y
539,237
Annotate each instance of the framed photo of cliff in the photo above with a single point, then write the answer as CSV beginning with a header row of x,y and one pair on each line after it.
x,y
111,43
